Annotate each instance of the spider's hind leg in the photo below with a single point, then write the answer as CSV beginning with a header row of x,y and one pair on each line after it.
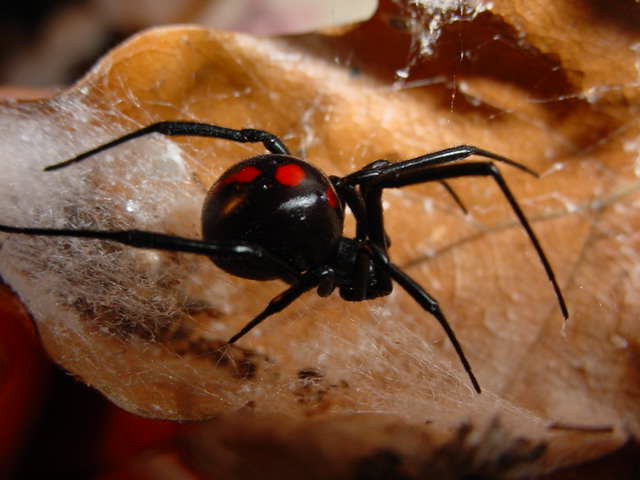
x,y
189,129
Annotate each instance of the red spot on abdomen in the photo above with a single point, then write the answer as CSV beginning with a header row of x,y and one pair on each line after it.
x,y
290,174
244,175
331,197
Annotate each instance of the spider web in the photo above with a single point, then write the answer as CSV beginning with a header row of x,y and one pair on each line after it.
x,y
375,357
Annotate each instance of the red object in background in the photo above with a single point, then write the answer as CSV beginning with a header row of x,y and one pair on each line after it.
x,y
24,374
127,440
53,425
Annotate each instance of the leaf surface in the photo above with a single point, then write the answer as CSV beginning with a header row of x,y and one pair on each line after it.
x,y
145,328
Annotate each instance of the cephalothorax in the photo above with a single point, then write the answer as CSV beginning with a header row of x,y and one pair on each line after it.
x,y
275,216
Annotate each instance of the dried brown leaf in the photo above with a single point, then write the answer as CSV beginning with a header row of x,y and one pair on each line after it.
x,y
516,78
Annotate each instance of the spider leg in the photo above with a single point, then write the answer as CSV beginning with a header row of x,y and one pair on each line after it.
x,y
429,160
395,178
159,241
426,302
455,196
377,236
308,281
354,200
180,128
356,203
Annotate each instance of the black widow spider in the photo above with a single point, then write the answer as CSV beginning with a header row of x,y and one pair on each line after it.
x,y
275,216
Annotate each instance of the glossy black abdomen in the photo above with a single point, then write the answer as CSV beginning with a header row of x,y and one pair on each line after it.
x,y
280,203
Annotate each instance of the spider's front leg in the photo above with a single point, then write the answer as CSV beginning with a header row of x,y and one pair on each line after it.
x,y
374,178
413,172
366,204
388,169
428,303
369,228
373,200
